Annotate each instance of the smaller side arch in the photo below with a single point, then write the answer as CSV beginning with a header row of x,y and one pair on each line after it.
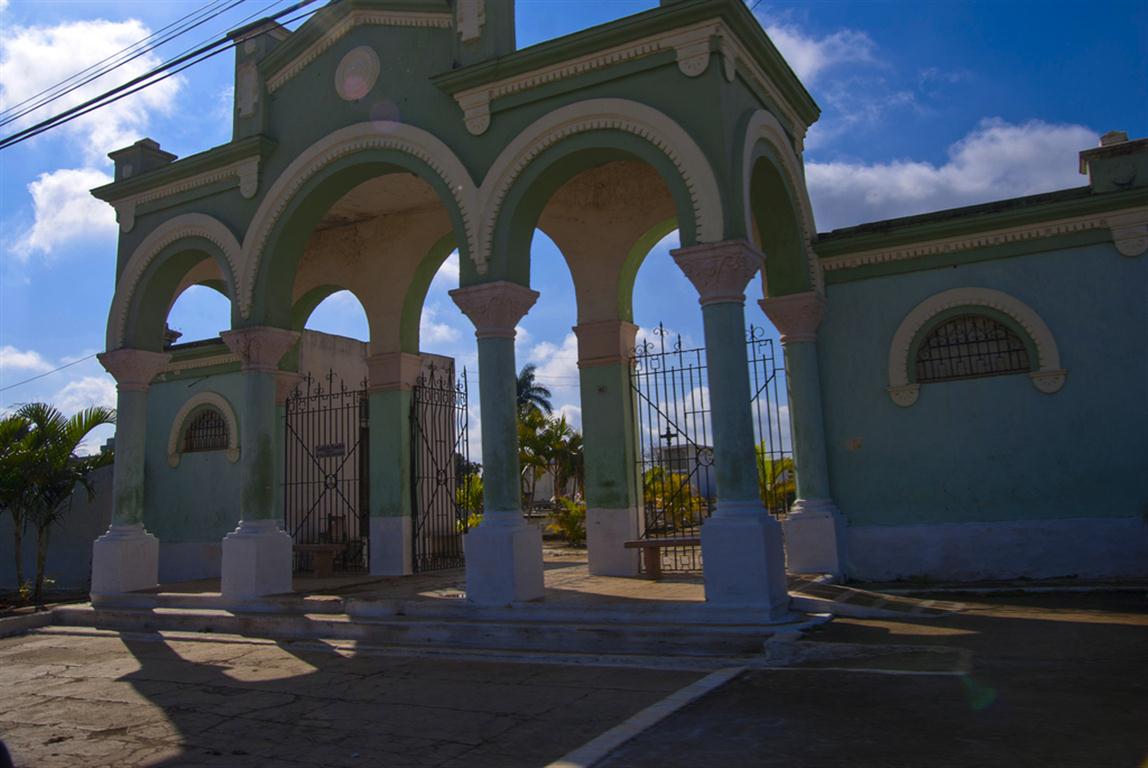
x,y
179,425
186,226
1048,377
764,126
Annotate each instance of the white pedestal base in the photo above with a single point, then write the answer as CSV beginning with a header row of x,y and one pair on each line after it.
x,y
503,564
607,530
744,561
814,537
256,560
124,559
391,553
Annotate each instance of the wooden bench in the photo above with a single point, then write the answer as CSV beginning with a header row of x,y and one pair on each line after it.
x,y
652,551
322,558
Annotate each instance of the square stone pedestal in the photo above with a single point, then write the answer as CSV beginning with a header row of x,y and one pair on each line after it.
x,y
124,559
744,563
390,549
256,560
607,531
503,564
813,537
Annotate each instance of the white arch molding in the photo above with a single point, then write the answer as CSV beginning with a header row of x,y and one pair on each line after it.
x,y
764,126
194,403
1049,376
602,114
381,134
184,226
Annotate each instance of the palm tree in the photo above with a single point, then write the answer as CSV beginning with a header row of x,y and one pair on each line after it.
x,y
52,470
532,396
13,431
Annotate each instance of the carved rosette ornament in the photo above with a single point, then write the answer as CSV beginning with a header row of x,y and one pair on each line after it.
x,y
796,316
495,308
260,348
720,271
133,369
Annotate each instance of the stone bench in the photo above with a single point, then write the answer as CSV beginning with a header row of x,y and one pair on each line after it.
x,y
322,558
652,551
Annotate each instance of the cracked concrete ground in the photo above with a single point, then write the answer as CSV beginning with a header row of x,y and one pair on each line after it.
x,y
75,697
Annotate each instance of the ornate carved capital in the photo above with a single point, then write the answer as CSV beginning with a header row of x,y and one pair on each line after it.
x,y
260,348
393,370
796,316
604,342
720,271
133,369
495,308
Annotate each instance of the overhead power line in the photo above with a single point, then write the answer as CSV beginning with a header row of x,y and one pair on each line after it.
x,y
109,64
148,79
48,373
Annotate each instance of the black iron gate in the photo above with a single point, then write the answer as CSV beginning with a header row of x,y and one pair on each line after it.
x,y
675,457
326,480
443,481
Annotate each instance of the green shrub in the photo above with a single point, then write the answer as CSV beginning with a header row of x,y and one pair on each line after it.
x,y
569,521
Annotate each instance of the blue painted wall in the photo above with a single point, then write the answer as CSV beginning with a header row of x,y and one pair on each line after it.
x,y
197,501
994,449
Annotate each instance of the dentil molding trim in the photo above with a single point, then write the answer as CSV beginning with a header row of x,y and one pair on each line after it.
x,y
244,173
1129,232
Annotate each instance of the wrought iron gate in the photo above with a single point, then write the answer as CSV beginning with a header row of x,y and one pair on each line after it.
x,y
675,457
325,485
441,473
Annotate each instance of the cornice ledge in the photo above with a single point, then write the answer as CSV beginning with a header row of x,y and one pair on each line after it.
x,y
355,18
1129,229
693,47
241,173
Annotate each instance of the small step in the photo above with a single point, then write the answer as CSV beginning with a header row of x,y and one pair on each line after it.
x,y
528,635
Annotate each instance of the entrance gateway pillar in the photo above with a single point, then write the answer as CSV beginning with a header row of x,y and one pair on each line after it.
x,y
257,554
742,553
613,485
814,528
504,553
390,378
126,558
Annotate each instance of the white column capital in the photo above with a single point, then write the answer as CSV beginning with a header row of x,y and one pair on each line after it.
x,y
496,307
604,342
260,348
720,271
796,316
393,370
133,369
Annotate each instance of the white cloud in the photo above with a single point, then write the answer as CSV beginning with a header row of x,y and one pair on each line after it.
x,y
556,364
573,415
64,212
36,58
86,392
996,160
810,56
433,332
447,275
12,359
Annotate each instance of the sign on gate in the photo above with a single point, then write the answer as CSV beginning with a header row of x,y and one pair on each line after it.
x,y
325,478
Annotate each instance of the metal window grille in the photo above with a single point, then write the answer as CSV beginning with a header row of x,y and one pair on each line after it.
x,y
206,432
968,347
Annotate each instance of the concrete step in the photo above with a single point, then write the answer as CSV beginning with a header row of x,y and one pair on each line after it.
x,y
532,634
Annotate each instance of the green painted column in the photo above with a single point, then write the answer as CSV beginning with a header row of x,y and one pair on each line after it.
x,y
609,434
257,555
815,528
126,558
391,376
504,553
743,556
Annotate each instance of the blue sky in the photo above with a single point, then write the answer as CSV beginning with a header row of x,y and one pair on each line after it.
x,y
925,106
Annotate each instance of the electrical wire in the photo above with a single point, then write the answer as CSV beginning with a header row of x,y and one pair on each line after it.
x,y
167,69
66,86
48,373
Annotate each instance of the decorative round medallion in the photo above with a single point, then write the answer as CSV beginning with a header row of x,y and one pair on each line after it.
x,y
357,73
